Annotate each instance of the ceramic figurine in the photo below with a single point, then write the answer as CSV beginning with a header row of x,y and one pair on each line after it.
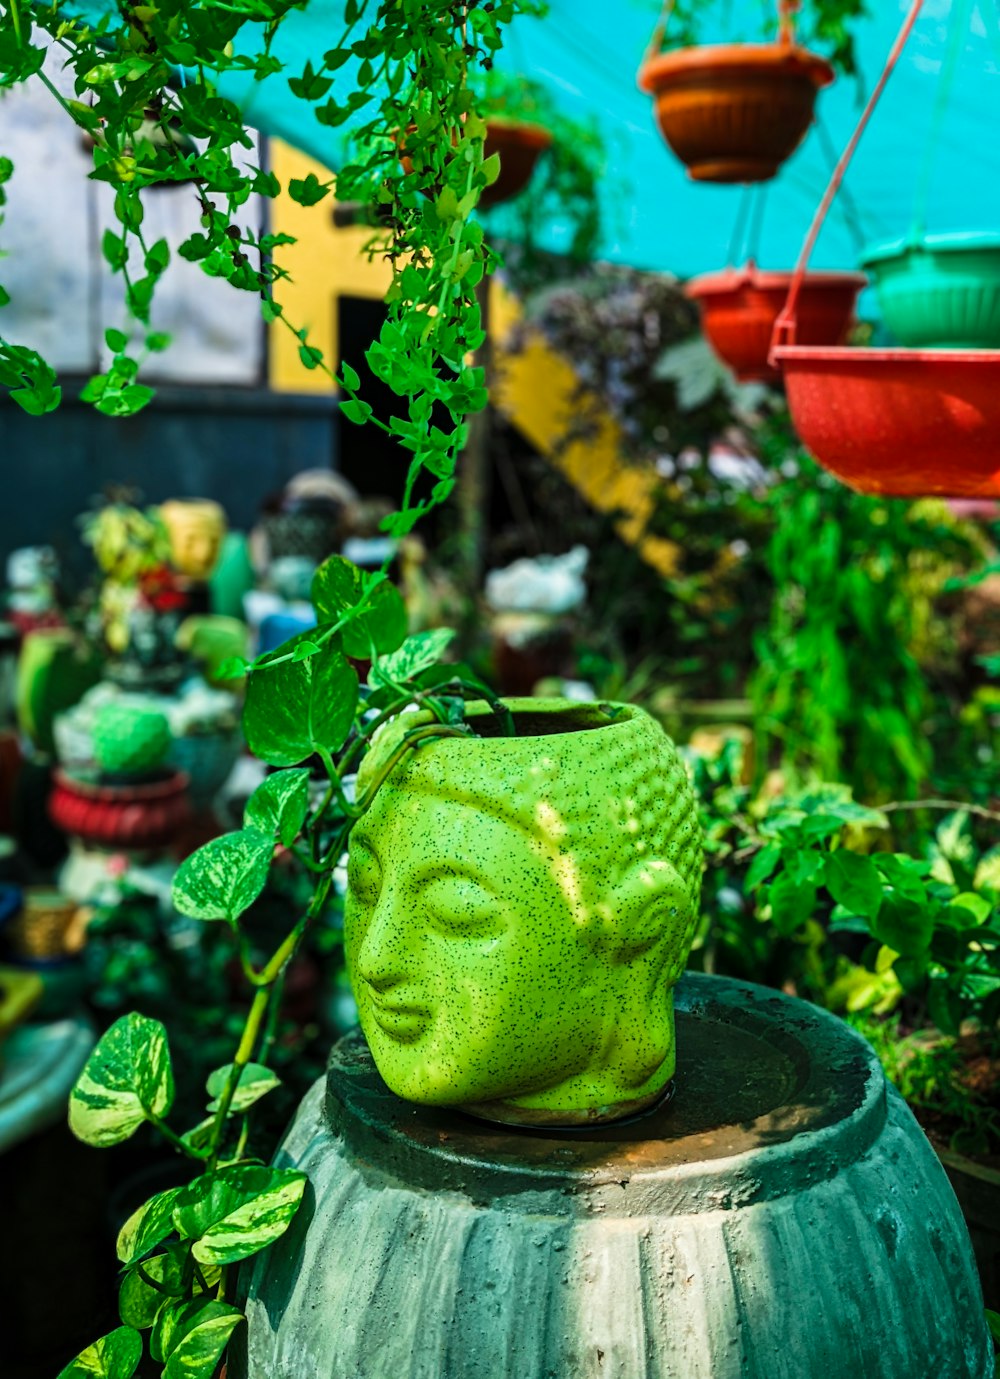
x,y
196,528
519,910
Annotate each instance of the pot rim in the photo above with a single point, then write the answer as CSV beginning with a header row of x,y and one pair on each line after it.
x,y
778,59
846,354
730,280
528,133
174,784
953,242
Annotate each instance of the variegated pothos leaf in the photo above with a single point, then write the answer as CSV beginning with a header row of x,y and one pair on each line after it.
x,y
126,1079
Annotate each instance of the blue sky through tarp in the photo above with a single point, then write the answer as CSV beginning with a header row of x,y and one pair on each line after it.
x,y
588,51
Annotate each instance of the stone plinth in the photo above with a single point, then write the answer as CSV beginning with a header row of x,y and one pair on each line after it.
x,y
782,1217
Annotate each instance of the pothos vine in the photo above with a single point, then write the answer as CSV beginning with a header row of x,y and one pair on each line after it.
x,y
146,90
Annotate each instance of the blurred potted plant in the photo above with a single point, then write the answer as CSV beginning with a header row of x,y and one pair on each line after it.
x,y
735,112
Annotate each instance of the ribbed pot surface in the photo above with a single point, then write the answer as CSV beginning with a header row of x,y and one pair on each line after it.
x,y
783,1217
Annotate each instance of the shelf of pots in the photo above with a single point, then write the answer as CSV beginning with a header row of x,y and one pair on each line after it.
x,y
898,422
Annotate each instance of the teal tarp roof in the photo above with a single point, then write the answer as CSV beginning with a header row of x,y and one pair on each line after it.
x,y
588,51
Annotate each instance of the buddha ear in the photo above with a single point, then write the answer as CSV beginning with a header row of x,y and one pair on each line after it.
x,y
649,906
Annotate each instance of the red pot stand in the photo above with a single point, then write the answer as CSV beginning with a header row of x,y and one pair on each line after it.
x,y
902,423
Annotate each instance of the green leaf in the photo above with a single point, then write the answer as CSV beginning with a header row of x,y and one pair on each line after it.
x,y
356,411
294,708
279,805
993,1322
988,871
192,1337
147,1227
854,882
977,907
239,1210
904,926
115,1356
116,340
114,249
255,1081
792,904
338,587
418,653
225,877
127,1079
351,378
139,1301
762,866
307,191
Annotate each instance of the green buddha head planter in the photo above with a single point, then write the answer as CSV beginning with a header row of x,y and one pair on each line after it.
x,y
519,910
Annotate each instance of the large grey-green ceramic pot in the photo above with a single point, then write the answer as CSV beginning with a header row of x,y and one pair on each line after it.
x,y
783,1218
520,908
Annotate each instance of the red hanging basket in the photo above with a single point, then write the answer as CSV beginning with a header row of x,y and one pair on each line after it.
x,y
903,423
739,308
735,112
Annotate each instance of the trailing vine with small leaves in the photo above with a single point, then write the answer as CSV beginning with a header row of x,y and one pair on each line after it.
x,y
304,704
396,81
146,91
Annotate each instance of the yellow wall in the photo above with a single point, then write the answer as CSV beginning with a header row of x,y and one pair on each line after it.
x,y
533,388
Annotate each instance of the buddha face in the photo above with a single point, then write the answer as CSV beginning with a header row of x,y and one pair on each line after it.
x,y
473,984
518,911
196,530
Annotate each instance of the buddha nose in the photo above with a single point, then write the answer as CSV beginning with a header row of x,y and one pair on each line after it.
x,y
385,956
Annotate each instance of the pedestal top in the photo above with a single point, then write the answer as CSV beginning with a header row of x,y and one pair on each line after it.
x,y
771,1093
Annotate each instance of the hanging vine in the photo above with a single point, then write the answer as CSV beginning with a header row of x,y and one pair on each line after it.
x,y
146,89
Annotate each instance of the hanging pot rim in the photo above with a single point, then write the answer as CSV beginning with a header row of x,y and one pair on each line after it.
x,y
718,59
728,280
950,242
846,354
530,133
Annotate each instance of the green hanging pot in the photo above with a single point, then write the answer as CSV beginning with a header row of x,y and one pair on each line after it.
x,y
520,908
940,291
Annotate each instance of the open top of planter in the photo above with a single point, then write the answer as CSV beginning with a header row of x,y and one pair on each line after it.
x,y
954,242
731,58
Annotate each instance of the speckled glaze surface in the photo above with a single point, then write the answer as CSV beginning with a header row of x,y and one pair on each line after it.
x,y
519,910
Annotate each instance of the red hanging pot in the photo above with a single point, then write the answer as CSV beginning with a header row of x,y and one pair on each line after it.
x,y
739,308
902,423
735,112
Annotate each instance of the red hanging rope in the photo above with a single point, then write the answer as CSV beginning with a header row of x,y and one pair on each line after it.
x,y
784,329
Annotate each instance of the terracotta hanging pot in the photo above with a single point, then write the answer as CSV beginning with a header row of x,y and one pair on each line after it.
x,y
739,308
940,291
735,112
520,144
519,910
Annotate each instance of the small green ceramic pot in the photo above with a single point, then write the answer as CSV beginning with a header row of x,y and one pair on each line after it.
x,y
130,740
520,909
942,292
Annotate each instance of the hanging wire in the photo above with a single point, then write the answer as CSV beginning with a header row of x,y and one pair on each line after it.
x,y
737,241
787,10
660,32
848,206
960,23
757,222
